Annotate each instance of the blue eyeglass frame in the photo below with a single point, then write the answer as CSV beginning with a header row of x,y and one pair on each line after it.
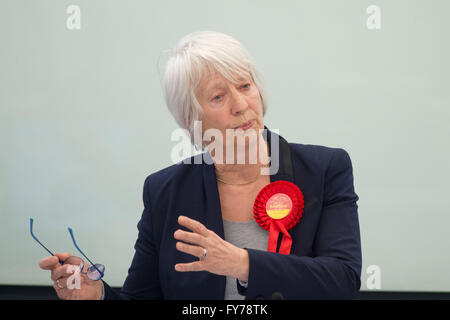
x,y
74,242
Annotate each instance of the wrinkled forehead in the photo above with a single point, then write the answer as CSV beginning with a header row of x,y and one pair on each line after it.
x,y
214,79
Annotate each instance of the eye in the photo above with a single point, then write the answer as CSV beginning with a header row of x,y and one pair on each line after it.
x,y
214,99
247,84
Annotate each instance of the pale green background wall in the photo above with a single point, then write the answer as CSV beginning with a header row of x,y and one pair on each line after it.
x,y
83,120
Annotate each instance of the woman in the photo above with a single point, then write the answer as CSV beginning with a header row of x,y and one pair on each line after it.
x,y
198,236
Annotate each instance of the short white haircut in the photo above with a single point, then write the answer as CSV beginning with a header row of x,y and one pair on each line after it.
x,y
199,55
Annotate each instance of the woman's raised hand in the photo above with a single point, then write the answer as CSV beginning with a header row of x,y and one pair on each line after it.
x,y
216,255
68,282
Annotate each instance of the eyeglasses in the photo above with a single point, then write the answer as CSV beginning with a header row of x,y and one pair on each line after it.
x,y
93,272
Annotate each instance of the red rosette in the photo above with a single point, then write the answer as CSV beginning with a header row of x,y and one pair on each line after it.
x,y
278,208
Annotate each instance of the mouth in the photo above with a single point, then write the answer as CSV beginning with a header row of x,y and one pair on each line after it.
x,y
246,125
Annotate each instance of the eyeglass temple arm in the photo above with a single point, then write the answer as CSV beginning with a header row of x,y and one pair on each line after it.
x,y
37,240
79,250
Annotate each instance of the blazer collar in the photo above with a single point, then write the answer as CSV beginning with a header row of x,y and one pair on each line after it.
x,y
281,161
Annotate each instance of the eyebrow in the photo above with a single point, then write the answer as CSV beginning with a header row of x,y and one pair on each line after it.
x,y
219,83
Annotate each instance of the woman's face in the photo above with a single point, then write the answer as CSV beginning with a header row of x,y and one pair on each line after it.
x,y
228,106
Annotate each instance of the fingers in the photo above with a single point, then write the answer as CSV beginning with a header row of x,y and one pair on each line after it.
x,y
69,281
193,250
190,237
62,256
60,272
193,225
60,283
67,277
193,266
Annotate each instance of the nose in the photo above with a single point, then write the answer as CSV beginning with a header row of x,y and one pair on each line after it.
x,y
238,102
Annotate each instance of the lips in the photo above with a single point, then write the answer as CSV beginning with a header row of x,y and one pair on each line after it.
x,y
246,125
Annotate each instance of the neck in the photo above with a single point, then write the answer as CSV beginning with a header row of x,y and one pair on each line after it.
x,y
235,173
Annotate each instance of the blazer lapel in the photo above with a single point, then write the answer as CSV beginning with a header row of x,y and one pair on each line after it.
x,y
280,157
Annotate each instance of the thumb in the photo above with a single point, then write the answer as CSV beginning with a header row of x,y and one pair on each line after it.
x,y
48,263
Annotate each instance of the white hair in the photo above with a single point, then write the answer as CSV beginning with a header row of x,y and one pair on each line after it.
x,y
198,55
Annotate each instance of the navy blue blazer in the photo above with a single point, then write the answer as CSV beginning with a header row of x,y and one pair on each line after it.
x,y
325,260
